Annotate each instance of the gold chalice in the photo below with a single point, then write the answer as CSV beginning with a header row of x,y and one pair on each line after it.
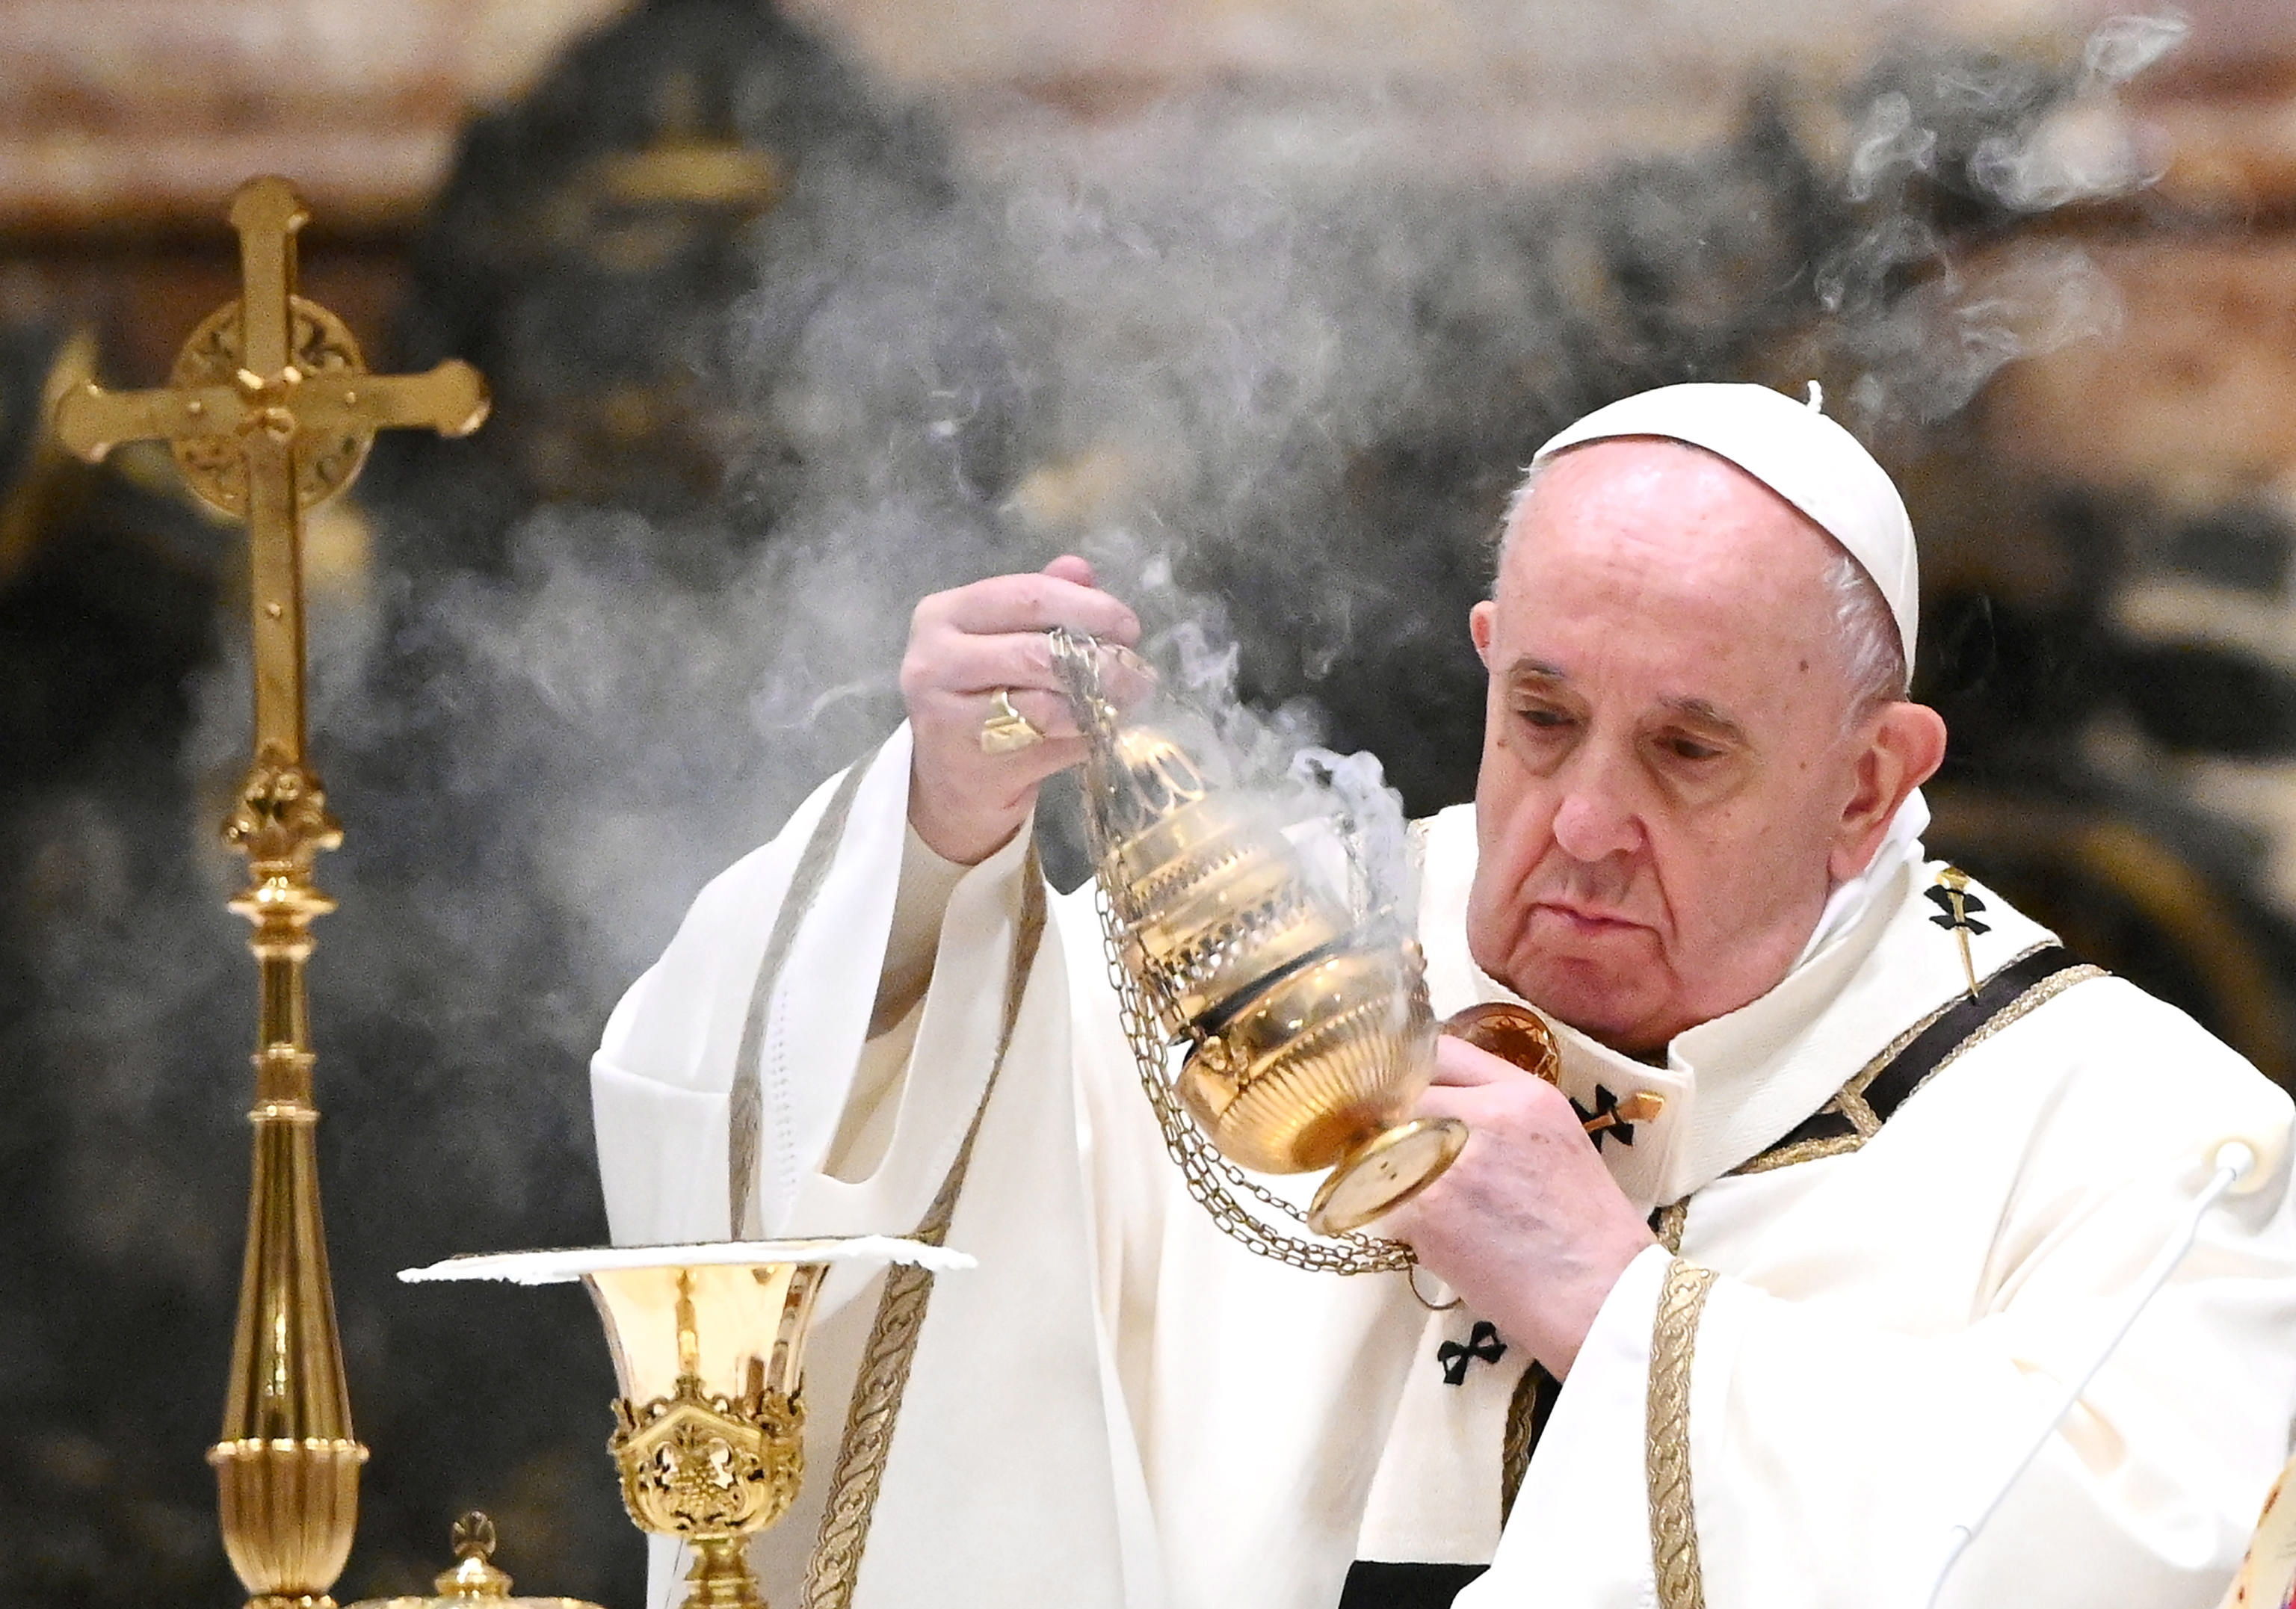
x,y
1302,1010
708,1349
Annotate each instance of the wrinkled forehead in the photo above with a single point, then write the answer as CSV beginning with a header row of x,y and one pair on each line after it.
x,y
1661,574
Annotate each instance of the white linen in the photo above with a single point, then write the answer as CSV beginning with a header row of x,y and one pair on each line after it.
x,y
564,1266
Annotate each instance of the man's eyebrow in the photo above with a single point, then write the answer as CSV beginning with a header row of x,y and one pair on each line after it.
x,y
1529,670
1707,715
1702,713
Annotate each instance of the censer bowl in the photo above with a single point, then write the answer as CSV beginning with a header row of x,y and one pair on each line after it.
x,y
1319,1069
1314,1064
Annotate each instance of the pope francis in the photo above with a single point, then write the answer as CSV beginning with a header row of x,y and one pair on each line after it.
x,y
1897,1161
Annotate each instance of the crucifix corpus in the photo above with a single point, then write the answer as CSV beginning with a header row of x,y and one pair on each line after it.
x,y
269,412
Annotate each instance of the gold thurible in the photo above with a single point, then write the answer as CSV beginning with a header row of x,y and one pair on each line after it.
x,y
269,412
1303,1026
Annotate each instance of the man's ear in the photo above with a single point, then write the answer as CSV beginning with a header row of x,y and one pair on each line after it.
x,y
1478,627
1905,745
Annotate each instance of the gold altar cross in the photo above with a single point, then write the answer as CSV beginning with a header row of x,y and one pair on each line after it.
x,y
270,412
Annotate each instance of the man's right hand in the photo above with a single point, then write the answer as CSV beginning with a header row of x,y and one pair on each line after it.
x,y
965,646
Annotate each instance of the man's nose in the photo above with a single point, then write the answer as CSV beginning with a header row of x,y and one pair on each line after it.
x,y
1595,820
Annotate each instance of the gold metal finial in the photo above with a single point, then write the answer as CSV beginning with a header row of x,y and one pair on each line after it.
x,y
269,412
474,1575
474,1536
474,1579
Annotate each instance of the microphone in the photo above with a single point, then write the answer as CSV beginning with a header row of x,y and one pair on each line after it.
x,y
2237,1169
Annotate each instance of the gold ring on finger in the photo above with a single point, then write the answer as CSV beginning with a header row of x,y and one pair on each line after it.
x,y
1007,730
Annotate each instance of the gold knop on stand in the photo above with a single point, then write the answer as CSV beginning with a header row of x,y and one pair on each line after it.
x,y
474,1579
1302,1022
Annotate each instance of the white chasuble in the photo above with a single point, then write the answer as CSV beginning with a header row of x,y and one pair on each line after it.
x,y
1120,1407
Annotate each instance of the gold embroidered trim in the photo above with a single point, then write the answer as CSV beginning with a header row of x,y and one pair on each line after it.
x,y
1666,1466
1801,1150
1850,1102
1669,1226
1514,1451
2047,989
892,1348
746,1119
1674,1337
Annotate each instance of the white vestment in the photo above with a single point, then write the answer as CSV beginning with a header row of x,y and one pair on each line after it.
x,y
1121,1409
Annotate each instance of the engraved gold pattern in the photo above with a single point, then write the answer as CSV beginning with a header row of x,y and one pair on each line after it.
x,y
890,1350
214,465
693,1462
709,1425
1007,730
1673,1515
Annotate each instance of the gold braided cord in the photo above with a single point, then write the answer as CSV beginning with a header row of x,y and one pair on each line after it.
x,y
835,1564
1666,1466
1850,1102
746,1116
1515,1448
1671,1222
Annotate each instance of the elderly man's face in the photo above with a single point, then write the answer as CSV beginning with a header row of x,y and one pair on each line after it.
x,y
1668,790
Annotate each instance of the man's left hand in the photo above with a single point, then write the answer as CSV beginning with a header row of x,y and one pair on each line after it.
x,y
1526,1226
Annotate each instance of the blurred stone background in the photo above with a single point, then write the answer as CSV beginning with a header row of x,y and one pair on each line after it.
x,y
793,315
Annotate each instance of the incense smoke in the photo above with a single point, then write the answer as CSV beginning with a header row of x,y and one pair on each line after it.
x,y
1277,394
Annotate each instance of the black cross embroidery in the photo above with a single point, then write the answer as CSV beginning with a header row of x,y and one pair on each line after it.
x,y
1606,1105
1482,1341
1958,907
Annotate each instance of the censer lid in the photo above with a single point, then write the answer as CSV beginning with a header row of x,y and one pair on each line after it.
x,y
474,1580
1143,779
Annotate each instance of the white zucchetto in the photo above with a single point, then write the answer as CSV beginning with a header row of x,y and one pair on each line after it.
x,y
1796,451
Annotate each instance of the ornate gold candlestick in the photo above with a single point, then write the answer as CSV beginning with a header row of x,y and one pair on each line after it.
x,y
708,1347
270,413
1304,1022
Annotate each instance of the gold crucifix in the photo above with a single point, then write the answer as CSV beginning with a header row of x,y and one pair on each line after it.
x,y
269,412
